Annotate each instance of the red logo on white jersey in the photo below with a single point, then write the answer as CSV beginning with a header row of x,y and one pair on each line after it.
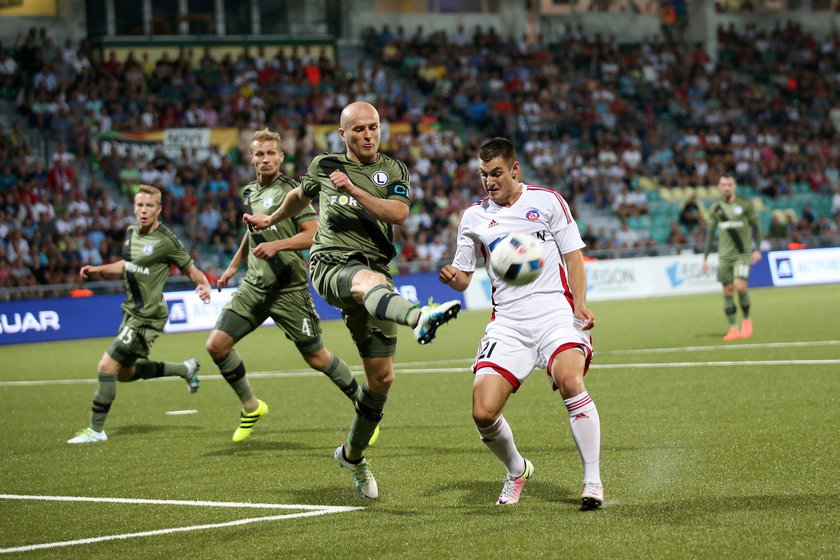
x,y
492,223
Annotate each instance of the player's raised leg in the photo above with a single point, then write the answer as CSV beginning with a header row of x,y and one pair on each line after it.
x,y
383,302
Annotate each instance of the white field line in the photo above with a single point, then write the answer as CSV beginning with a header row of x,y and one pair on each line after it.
x,y
464,369
194,503
718,364
311,511
403,367
726,347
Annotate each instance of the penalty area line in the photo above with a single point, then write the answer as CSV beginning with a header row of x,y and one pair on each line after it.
x,y
313,511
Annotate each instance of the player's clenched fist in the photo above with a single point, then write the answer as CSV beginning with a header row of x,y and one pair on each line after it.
x,y
256,221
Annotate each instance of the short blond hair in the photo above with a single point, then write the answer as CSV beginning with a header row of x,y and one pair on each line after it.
x,y
149,189
266,135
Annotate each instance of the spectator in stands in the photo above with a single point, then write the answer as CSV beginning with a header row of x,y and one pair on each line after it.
x,y
63,155
626,236
8,67
5,273
209,219
60,177
676,237
691,213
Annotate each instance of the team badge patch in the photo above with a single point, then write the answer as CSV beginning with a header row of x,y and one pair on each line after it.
x,y
737,210
380,178
533,214
268,201
147,249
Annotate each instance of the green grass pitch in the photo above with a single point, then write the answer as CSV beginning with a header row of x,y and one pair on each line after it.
x,y
709,449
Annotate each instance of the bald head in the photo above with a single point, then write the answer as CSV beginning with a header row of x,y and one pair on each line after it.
x,y
360,129
358,110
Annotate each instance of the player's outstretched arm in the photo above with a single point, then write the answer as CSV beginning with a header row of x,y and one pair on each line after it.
x,y
110,268
202,286
292,205
455,278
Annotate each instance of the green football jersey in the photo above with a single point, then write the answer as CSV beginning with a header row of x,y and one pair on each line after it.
x,y
148,260
344,225
735,220
286,269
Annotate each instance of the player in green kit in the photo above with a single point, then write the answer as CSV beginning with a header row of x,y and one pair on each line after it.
x,y
738,249
149,251
276,286
362,195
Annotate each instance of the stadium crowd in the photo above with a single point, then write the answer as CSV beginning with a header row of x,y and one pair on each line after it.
x,y
599,121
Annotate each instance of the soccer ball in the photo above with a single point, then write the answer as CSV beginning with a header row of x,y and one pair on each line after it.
x,y
517,259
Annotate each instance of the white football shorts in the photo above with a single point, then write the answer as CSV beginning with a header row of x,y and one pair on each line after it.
x,y
513,349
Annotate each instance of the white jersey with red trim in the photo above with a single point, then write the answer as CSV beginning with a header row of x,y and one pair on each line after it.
x,y
540,212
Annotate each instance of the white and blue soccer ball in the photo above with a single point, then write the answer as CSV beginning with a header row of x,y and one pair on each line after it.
x,y
517,259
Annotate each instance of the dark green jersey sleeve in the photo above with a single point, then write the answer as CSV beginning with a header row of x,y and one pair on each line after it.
x,y
344,225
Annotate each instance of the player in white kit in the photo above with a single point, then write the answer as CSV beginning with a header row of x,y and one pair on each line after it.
x,y
544,324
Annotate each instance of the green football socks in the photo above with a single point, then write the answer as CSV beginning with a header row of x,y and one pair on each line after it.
x,y
368,415
233,370
384,303
744,302
730,309
105,394
339,373
147,369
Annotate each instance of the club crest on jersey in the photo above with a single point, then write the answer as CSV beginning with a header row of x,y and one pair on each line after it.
x,y
268,201
147,249
533,214
737,210
380,178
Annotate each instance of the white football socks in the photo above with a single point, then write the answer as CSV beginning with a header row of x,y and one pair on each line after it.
x,y
499,439
586,430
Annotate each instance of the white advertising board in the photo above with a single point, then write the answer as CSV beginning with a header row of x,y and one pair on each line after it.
x,y
625,279
188,313
812,266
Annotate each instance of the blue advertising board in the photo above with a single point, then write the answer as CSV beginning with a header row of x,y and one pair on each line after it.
x,y
59,319
70,318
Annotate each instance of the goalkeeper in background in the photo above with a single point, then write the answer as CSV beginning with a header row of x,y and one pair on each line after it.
x,y
738,249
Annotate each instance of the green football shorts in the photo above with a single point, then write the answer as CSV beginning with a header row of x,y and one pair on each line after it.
x,y
134,339
292,311
332,275
730,268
